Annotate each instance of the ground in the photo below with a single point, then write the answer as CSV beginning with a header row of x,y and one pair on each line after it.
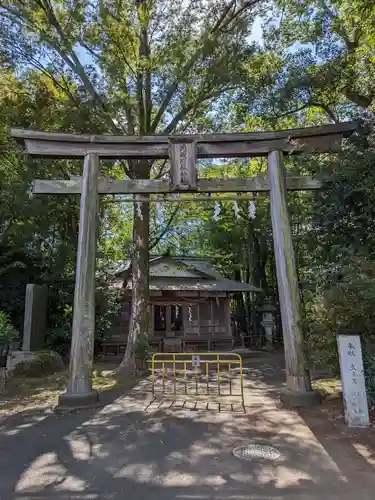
x,y
138,449
26,393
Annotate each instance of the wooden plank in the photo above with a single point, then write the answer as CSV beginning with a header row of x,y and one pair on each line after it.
x,y
108,186
83,330
289,297
310,139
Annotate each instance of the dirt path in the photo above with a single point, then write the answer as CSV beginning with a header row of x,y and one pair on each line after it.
x,y
134,450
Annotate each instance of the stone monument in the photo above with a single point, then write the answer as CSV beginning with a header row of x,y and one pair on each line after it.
x,y
34,326
353,381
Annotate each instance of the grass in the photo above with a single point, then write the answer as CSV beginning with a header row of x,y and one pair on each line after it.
x,y
330,388
25,393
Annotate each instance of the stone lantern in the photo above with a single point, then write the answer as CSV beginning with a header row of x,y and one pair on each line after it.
x,y
268,323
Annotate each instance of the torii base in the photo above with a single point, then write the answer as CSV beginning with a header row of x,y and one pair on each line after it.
x,y
69,401
297,399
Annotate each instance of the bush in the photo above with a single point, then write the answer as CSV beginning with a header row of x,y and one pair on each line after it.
x,y
369,369
108,306
8,334
140,349
59,338
345,305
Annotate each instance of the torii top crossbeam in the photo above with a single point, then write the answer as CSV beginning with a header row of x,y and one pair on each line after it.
x,y
320,139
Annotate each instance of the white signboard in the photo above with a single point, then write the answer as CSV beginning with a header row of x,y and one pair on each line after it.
x,y
353,381
195,361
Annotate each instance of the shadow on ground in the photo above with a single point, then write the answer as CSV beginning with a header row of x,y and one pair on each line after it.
x,y
124,452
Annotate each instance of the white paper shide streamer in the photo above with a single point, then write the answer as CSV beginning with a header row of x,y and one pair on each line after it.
x,y
159,211
190,314
236,210
217,211
252,209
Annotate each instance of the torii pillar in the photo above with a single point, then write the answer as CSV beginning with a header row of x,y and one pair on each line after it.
x,y
298,390
79,392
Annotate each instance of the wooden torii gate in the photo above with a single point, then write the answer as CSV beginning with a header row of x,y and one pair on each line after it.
x,y
183,150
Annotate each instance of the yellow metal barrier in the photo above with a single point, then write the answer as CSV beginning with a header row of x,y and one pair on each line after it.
x,y
187,374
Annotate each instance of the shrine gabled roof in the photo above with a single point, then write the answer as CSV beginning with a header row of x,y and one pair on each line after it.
x,y
186,274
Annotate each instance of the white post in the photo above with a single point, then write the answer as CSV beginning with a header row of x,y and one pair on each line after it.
x,y
353,381
299,391
79,392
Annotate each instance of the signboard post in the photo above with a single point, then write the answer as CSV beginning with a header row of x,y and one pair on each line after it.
x,y
353,381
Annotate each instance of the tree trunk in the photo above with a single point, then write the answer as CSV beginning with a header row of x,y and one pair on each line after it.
x,y
139,316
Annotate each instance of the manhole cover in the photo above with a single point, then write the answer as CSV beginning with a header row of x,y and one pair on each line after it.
x,y
250,451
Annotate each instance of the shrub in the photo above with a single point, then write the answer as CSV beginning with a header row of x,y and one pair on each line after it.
x,y
107,310
345,305
59,338
141,348
8,334
108,306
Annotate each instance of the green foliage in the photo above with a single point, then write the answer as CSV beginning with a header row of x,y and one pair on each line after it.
x,y
109,310
141,349
343,304
328,51
369,369
8,333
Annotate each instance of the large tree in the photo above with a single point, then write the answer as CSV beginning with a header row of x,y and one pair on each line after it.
x,y
327,48
147,66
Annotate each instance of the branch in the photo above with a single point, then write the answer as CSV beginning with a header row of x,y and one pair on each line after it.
x,y
211,33
75,64
246,6
327,111
37,65
309,104
162,170
351,46
165,230
70,59
359,99
132,70
192,106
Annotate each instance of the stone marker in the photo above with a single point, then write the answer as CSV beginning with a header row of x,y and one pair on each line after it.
x,y
34,327
353,381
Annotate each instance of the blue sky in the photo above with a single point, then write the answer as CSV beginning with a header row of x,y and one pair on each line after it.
x,y
257,31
